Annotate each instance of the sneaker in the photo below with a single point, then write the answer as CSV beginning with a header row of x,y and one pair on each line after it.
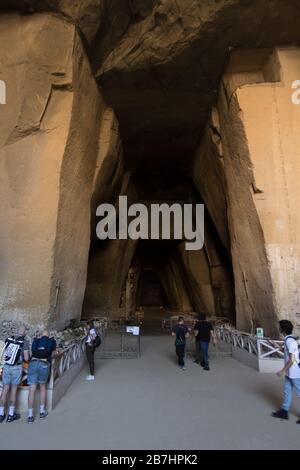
x,y
30,419
281,414
206,368
2,418
44,415
196,361
202,363
90,377
182,367
12,418
298,422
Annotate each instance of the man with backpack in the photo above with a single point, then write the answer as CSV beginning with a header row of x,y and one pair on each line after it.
x,y
181,332
16,350
291,369
38,372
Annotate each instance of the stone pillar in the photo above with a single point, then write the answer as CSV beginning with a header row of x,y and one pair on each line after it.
x,y
260,131
131,288
109,264
49,132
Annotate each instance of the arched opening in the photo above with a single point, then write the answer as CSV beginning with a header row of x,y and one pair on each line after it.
x,y
160,276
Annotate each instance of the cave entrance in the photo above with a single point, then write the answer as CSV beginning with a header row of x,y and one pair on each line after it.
x,y
150,290
156,289
159,276
151,299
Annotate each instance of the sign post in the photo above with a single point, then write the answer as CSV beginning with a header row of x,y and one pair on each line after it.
x,y
260,332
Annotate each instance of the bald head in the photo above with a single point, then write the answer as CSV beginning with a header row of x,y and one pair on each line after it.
x,y
45,332
22,331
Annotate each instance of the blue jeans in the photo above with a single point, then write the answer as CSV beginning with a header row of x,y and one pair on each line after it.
x,y
180,351
204,345
12,375
38,372
288,392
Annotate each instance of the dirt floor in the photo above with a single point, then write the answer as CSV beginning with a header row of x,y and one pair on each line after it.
x,y
149,403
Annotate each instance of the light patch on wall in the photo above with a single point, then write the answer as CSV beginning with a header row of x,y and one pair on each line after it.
x,y
296,94
280,224
2,92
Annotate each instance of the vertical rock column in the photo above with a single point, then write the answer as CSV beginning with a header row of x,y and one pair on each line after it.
x,y
260,129
49,132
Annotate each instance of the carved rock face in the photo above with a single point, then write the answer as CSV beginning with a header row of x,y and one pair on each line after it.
x,y
159,65
167,68
86,14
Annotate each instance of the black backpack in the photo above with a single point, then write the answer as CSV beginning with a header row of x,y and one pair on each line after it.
x,y
42,348
180,336
97,341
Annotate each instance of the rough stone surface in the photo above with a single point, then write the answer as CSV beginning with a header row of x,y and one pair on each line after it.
x,y
170,122
63,338
258,141
272,128
109,167
167,67
108,268
44,162
85,14
175,284
208,174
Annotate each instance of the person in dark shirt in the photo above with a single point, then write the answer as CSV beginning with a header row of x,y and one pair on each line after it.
x,y
181,332
38,372
197,359
204,332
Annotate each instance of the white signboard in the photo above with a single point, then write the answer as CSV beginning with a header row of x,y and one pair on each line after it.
x,y
259,332
135,330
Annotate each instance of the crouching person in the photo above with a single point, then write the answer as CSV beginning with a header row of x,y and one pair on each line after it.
x,y
16,350
38,372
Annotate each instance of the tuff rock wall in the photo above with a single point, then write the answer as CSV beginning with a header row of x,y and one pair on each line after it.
x,y
48,153
100,92
253,140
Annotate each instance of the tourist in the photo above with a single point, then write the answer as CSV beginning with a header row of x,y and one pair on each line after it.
x,y
16,350
39,371
90,348
204,332
291,369
197,348
181,332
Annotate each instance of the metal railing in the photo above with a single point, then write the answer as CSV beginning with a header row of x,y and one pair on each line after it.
x,y
119,344
65,360
263,348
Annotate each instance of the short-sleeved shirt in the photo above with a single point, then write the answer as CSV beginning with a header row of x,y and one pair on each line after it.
x,y
91,336
291,347
204,328
180,332
43,343
25,347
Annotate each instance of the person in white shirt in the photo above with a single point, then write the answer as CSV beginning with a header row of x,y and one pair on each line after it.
x,y
291,369
90,348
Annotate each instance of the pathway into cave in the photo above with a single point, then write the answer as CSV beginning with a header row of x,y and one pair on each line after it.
x,y
150,403
161,276
164,104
